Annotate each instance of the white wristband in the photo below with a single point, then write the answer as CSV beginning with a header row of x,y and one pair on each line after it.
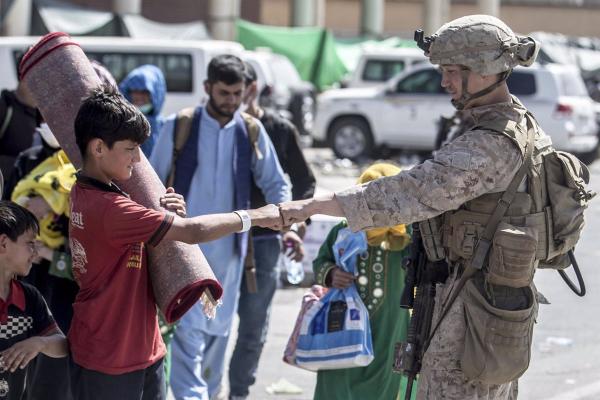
x,y
246,221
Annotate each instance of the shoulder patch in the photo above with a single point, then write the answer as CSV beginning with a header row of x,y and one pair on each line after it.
x,y
461,160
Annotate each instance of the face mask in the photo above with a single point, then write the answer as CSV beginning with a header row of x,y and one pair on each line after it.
x,y
146,108
48,136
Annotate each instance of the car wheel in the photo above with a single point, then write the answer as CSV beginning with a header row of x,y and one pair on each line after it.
x,y
350,137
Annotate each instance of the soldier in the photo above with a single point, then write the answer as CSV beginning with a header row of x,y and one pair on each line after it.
x,y
461,186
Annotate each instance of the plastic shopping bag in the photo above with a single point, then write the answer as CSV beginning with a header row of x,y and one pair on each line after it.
x,y
335,332
309,299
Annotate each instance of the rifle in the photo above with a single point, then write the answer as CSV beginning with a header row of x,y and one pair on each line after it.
x,y
419,295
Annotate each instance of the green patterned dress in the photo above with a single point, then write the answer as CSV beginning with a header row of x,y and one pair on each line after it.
x,y
380,283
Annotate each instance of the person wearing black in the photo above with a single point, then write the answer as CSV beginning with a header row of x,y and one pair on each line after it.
x,y
254,308
18,120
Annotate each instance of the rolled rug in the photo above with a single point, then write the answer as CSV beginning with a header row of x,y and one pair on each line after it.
x,y
59,76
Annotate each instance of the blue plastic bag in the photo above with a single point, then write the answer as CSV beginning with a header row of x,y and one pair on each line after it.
x,y
335,333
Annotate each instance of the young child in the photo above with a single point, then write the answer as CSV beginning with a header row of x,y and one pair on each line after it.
x,y
27,327
115,342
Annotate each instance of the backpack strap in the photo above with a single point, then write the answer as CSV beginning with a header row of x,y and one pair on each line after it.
x,y
7,119
181,134
253,132
482,248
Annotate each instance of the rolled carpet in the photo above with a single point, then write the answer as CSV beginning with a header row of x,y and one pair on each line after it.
x,y
59,76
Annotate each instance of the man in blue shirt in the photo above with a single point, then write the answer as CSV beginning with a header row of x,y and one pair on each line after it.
x,y
214,171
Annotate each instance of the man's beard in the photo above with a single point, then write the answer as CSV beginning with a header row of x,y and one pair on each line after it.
x,y
218,110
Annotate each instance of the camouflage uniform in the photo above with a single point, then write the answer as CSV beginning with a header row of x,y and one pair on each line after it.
x,y
475,162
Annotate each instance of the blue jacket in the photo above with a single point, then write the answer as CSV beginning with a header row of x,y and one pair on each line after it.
x,y
148,77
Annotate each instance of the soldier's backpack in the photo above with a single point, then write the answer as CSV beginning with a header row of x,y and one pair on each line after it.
x,y
559,190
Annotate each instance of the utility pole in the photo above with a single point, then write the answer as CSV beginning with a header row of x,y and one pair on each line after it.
x,y
320,13
303,12
371,18
489,7
17,21
127,6
222,15
432,15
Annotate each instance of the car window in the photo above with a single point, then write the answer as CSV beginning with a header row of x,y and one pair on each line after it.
x,y
177,68
284,72
571,84
428,81
382,70
521,83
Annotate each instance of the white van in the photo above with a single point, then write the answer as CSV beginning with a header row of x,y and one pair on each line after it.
x,y
376,65
183,62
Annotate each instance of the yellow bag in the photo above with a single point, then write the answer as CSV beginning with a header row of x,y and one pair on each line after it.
x,y
52,180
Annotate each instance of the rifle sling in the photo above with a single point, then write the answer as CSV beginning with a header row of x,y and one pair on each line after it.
x,y
484,243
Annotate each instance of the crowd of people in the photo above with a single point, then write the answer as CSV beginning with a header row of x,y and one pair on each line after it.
x,y
235,177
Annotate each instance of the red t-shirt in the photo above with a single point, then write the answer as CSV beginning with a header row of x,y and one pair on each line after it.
x,y
115,327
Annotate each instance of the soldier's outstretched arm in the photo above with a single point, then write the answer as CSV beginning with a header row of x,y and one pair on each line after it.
x,y
476,163
473,164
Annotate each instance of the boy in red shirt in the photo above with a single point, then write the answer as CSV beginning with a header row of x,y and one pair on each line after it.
x,y
115,343
27,327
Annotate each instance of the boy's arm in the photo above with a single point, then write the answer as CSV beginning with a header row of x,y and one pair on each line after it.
x,y
205,228
53,344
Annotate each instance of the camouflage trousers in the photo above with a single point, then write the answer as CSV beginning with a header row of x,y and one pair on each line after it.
x,y
441,377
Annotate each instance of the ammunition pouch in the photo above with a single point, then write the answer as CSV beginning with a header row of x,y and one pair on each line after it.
x,y
512,256
432,236
464,228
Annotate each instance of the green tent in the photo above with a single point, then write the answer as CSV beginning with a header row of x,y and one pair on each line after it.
x,y
311,50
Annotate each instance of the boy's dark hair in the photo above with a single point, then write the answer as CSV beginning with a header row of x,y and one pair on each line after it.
x,y
107,115
226,68
16,220
249,73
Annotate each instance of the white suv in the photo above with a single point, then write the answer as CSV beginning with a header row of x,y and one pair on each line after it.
x,y
403,113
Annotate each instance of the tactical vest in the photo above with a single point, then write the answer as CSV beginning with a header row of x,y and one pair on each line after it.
x,y
547,208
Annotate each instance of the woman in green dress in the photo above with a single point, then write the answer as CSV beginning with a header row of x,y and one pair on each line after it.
x,y
380,283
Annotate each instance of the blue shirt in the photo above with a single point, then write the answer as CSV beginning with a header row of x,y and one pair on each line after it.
x,y
212,191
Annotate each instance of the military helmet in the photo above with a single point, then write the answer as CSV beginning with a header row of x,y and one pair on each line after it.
x,y
482,43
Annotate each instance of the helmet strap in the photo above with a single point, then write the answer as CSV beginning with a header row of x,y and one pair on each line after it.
x,y
466,97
